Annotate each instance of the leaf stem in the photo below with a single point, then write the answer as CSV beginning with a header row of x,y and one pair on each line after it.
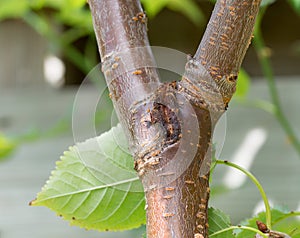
x,y
258,185
264,60
291,214
239,227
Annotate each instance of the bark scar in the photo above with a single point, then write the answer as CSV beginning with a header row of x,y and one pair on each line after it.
x,y
168,119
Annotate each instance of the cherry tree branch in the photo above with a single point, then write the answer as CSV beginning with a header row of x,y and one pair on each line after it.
x,y
127,62
226,40
170,126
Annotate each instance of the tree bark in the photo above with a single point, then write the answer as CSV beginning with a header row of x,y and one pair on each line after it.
x,y
226,40
127,61
169,126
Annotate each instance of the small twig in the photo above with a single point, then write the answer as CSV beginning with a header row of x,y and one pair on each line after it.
x,y
258,185
239,227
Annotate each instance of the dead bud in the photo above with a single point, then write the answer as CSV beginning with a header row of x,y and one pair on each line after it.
x,y
262,227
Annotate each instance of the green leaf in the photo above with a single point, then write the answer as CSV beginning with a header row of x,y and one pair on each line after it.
x,y
74,3
295,4
277,213
95,186
13,8
75,14
218,221
17,8
290,227
7,146
154,7
189,8
267,2
243,85
37,22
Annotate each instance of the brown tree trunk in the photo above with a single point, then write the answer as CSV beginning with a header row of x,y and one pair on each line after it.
x,y
169,126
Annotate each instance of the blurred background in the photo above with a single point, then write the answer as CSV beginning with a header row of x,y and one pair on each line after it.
x,y
47,50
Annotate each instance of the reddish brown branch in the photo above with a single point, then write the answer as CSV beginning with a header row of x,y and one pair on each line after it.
x,y
127,61
226,40
209,83
157,120
179,209
116,25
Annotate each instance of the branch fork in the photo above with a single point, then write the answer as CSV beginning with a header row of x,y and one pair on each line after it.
x,y
169,126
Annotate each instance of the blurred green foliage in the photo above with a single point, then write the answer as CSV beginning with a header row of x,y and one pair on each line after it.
x,y
64,22
7,146
61,22
296,5
243,84
68,12
188,8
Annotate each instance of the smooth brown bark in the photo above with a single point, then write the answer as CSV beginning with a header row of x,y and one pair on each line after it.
x,y
127,61
179,209
226,40
169,126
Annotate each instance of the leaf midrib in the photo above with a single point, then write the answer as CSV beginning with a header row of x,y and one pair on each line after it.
x,y
88,189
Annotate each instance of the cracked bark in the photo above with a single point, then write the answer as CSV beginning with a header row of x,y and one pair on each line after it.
x,y
169,126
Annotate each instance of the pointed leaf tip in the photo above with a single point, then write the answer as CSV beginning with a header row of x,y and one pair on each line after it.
x,y
94,186
31,203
